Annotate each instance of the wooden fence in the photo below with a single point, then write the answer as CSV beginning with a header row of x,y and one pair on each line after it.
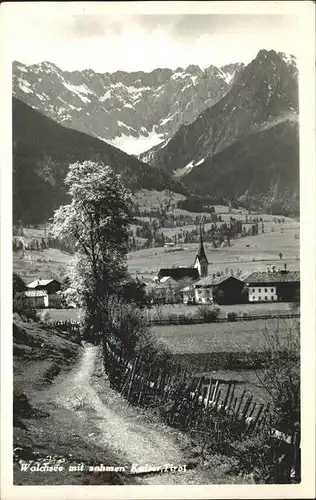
x,y
203,405
182,320
72,327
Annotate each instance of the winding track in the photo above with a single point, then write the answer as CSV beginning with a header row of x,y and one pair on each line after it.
x,y
122,427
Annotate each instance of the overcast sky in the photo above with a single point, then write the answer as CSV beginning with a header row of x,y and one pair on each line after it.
x,y
146,42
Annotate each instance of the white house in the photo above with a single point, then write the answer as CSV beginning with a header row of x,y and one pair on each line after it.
x,y
262,293
274,285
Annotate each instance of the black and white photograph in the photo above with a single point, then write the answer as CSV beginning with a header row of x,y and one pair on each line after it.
x,y
157,291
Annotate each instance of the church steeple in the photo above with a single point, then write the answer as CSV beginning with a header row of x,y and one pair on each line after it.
x,y
201,253
201,262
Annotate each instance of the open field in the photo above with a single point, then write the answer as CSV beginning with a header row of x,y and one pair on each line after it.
x,y
248,254
267,219
245,380
149,199
242,336
273,308
47,263
61,314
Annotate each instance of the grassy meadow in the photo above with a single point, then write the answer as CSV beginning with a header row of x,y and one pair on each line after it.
x,y
242,336
250,309
251,253
51,263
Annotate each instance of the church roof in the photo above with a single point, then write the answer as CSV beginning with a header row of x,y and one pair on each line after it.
x,y
178,273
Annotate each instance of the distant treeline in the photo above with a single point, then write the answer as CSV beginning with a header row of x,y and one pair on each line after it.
x,y
39,244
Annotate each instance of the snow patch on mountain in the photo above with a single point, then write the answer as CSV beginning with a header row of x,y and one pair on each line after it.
x,y
199,162
180,172
74,108
136,145
105,96
25,86
78,90
122,124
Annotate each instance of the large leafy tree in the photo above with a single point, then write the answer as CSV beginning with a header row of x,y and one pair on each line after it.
x,y
96,220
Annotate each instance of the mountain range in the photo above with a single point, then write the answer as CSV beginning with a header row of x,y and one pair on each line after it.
x,y
226,150
229,132
132,111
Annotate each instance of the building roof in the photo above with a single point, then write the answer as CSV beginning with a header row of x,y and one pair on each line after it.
x,y
167,282
165,278
273,277
35,293
144,281
40,283
179,273
212,281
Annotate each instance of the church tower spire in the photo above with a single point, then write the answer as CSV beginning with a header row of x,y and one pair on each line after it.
x,y
201,262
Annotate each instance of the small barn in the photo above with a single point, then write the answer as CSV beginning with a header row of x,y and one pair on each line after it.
x,y
37,299
43,293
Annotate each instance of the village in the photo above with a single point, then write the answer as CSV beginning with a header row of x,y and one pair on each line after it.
x,y
194,285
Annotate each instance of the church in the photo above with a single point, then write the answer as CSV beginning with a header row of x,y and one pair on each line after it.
x,y
199,269
193,285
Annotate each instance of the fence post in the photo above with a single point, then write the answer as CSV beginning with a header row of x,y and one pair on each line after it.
x,y
131,379
240,402
257,418
208,394
227,395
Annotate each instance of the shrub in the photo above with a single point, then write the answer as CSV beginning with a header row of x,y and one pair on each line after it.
x,y
280,376
208,313
231,316
18,284
45,317
172,318
260,457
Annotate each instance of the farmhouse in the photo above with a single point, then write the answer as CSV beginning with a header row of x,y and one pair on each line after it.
x,y
219,289
43,293
271,286
166,290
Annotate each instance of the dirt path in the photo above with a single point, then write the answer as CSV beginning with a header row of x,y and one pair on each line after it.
x,y
133,434
138,444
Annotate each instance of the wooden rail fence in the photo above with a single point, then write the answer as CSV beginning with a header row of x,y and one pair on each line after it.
x,y
182,320
191,399
204,405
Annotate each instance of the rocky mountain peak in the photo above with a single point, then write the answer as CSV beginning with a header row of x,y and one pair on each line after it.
x,y
132,110
263,93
